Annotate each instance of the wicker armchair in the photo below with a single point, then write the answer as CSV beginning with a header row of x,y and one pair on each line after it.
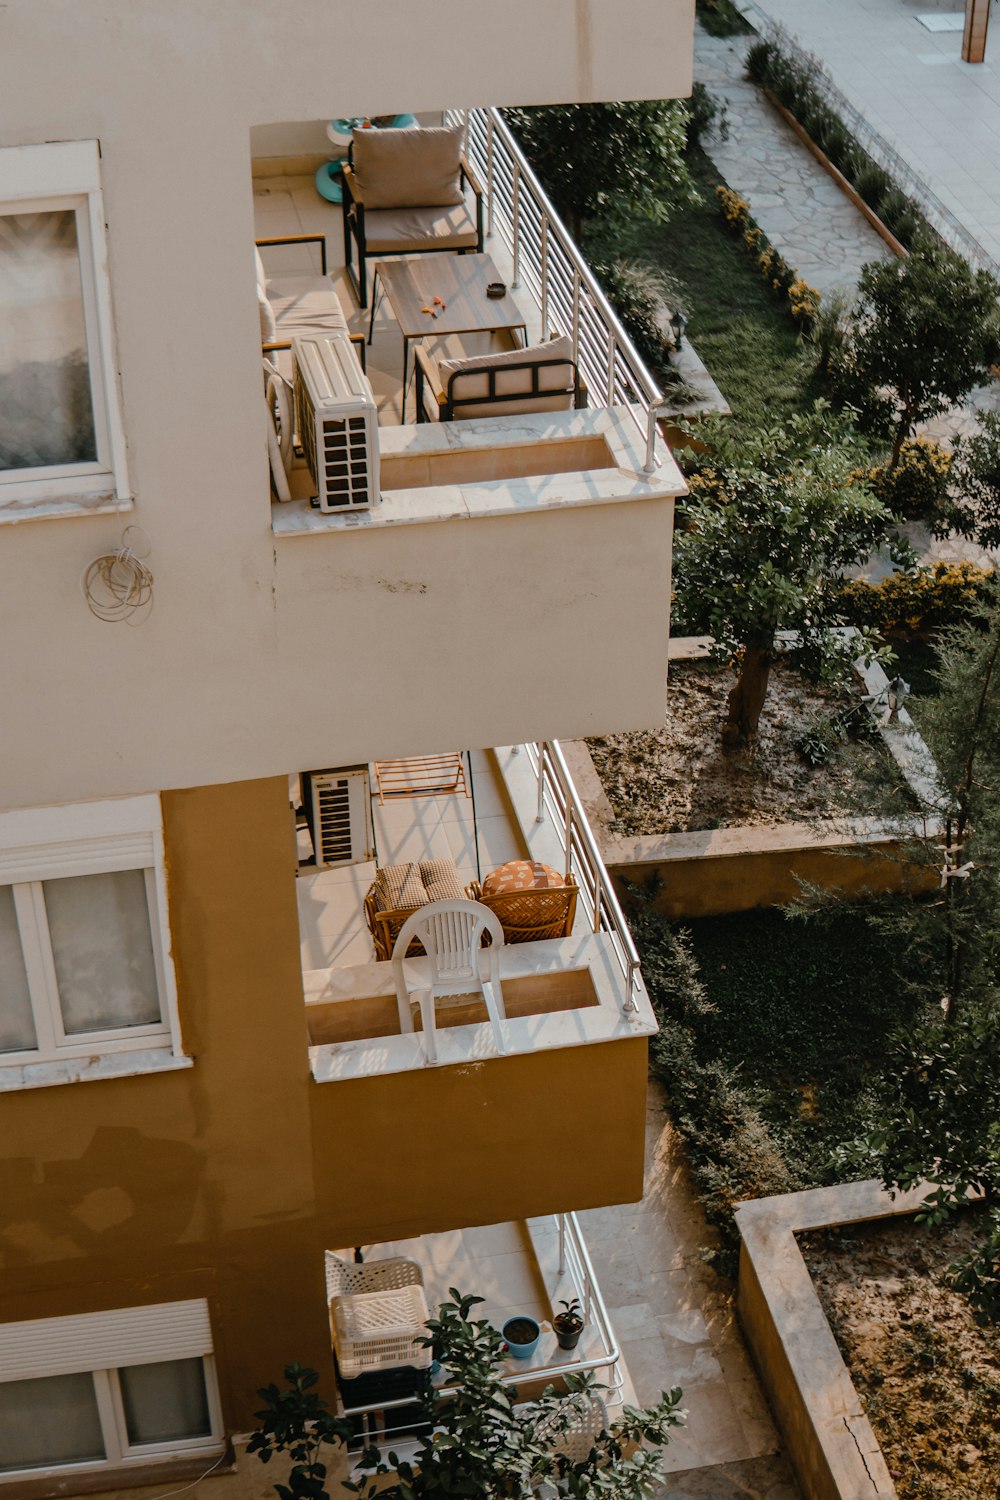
x,y
400,890
527,916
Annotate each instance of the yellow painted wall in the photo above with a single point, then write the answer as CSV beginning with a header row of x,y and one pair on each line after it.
x,y
229,1179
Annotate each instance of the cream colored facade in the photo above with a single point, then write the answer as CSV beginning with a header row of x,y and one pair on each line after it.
x,y
223,1177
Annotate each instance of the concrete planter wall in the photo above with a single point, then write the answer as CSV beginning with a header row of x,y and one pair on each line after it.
x,y
828,1438
736,869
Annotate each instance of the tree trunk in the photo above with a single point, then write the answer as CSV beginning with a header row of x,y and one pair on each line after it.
x,y
746,697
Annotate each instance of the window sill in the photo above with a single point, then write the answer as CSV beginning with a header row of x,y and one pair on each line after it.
x,y
41,1075
119,1477
12,511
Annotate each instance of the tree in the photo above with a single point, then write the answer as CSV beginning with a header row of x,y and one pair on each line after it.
x,y
975,508
615,161
774,518
942,1124
923,331
477,1443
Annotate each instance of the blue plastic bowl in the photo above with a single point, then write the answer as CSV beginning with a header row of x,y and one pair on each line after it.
x,y
521,1351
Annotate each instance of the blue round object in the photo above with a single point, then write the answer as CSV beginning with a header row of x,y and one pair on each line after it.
x,y
328,183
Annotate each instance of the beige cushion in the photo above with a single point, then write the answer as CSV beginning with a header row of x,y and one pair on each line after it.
x,y
305,304
395,231
472,382
409,168
402,887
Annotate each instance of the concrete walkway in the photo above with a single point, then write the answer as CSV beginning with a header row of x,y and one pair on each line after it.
x,y
676,1326
941,115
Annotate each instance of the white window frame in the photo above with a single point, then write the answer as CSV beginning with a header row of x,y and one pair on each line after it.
x,y
59,175
125,1336
88,838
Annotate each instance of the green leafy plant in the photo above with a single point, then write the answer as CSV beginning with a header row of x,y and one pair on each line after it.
x,y
918,486
638,296
803,299
703,112
475,1443
721,18
923,331
976,492
773,520
618,161
977,1274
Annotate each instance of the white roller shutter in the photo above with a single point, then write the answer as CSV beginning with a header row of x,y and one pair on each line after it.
x,y
104,1340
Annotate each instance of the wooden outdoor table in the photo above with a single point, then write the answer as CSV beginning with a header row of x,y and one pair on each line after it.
x,y
460,281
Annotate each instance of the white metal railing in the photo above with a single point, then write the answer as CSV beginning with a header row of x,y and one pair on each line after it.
x,y
558,796
549,267
378,1420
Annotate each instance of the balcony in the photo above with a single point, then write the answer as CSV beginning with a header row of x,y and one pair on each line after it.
x,y
554,514
514,803
523,1268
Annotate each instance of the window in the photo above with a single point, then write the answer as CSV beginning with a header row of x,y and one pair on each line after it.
x,y
107,1389
60,430
84,967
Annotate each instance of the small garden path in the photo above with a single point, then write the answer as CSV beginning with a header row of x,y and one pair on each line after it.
x,y
817,229
797,204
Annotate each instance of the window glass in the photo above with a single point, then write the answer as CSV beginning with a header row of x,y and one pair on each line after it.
x,y
165,1401
46,406
103,951
50,1421
17,1028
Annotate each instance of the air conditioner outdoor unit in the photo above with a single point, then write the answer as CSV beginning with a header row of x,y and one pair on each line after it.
x,y
337,423
339,811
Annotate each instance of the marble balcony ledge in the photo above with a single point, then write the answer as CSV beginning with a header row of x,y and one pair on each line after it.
x,y
600,1020
609,431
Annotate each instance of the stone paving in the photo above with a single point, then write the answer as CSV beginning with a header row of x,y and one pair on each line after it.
x,y
798,205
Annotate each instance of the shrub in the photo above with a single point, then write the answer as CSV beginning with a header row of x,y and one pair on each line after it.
x,y
703,111
803,299
637,294
917,602
721,18
917,488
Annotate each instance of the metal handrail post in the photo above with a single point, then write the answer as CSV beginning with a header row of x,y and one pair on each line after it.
x,y
489,174
576,314
545,276
516,226
540,810
611,370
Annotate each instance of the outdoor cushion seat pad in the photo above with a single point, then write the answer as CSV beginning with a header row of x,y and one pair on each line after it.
x,y
305,305
555,377
400,887
412,168
397,231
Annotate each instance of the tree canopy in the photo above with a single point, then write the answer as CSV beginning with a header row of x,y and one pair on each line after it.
x,y
773,519
621,161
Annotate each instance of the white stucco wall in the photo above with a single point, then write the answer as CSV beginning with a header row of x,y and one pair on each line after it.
x,y
257,660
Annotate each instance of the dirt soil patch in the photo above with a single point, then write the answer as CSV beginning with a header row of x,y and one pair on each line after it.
x,y
928,1374
679,777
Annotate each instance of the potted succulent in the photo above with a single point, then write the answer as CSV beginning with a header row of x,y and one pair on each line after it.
x,y
568,1324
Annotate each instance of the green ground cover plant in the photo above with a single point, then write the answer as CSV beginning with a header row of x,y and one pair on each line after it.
x,y
741,331
771,1046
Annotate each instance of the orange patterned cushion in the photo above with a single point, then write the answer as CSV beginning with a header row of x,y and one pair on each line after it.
x,y
522,875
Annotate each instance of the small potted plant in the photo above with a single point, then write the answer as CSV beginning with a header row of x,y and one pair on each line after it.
x,y
568,1324
521,1335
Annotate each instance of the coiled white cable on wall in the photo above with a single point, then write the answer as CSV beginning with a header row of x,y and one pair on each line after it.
x,y
119,586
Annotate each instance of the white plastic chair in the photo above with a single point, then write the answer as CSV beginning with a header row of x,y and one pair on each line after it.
x,y
451,933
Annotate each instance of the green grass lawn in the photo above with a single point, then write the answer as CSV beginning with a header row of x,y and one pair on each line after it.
x,y
742,331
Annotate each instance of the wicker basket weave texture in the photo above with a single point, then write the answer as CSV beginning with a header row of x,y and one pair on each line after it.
x,y
378,1313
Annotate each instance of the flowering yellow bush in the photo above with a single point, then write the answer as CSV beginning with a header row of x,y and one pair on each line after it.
x,y
917,488
803,299
919,602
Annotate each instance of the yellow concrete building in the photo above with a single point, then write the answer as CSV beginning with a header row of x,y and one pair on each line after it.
x,y
208,1080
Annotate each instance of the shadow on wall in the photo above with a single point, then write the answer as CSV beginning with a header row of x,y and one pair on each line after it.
x,y
126,1190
